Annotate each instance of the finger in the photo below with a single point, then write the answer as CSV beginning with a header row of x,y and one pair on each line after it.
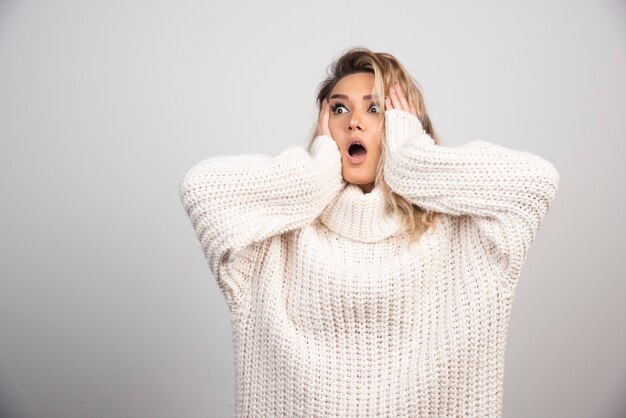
x,y
412,107
395,101
320,118
402,97
388,105
318,130
325,128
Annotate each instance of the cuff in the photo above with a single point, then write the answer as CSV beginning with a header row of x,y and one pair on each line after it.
x,y
327,162
322,142
402,126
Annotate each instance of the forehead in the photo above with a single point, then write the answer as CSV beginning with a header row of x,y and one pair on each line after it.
x,y
357,83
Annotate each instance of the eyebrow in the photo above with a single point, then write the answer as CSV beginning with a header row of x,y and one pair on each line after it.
x,y
343,96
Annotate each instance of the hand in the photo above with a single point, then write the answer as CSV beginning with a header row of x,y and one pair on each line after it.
x,y
397,100
322,120
402,127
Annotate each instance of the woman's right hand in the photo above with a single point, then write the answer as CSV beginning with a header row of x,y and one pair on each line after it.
x,y
322,120
324,141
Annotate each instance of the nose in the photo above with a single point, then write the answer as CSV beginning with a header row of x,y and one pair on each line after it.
x,y
354,124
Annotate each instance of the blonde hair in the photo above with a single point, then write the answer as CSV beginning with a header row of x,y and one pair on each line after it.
x,y
387,70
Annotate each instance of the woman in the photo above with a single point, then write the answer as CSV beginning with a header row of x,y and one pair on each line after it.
x,y
372,279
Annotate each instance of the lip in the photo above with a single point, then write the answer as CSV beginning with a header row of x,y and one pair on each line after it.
x,y
356,159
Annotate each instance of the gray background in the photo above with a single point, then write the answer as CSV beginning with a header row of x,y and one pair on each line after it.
x,y
107,306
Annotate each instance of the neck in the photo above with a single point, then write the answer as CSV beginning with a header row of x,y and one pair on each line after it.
x,y
366,188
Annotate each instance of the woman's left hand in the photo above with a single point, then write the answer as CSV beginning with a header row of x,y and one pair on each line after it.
x,y
397,100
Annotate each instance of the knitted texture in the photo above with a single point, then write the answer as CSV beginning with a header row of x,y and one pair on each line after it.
x,y
334,313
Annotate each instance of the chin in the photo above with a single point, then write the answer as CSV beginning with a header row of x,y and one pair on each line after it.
x,y
359,180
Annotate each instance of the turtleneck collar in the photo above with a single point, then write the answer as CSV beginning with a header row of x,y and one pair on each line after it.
x,y
360,216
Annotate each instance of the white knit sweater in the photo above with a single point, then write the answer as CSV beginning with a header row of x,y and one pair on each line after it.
x,y
333,314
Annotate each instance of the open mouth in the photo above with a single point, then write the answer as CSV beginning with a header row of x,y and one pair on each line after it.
x,y
356,150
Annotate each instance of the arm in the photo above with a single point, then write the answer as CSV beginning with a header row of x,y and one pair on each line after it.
x,y
506,192
237,202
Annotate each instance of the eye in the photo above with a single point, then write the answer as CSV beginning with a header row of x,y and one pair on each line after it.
x,y
375,106
337,106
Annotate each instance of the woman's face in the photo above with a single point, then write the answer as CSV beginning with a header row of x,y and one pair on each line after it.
x,y
355,118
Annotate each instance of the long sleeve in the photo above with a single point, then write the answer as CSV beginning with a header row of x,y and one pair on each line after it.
x,y
506,192
235,203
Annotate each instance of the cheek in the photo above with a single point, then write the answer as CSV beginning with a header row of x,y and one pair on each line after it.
x,y
376,147
375,152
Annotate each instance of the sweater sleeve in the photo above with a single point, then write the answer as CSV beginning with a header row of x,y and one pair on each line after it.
x,y
235,203
506,192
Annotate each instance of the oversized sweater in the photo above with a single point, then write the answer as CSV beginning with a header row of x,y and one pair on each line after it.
x,y
333,312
